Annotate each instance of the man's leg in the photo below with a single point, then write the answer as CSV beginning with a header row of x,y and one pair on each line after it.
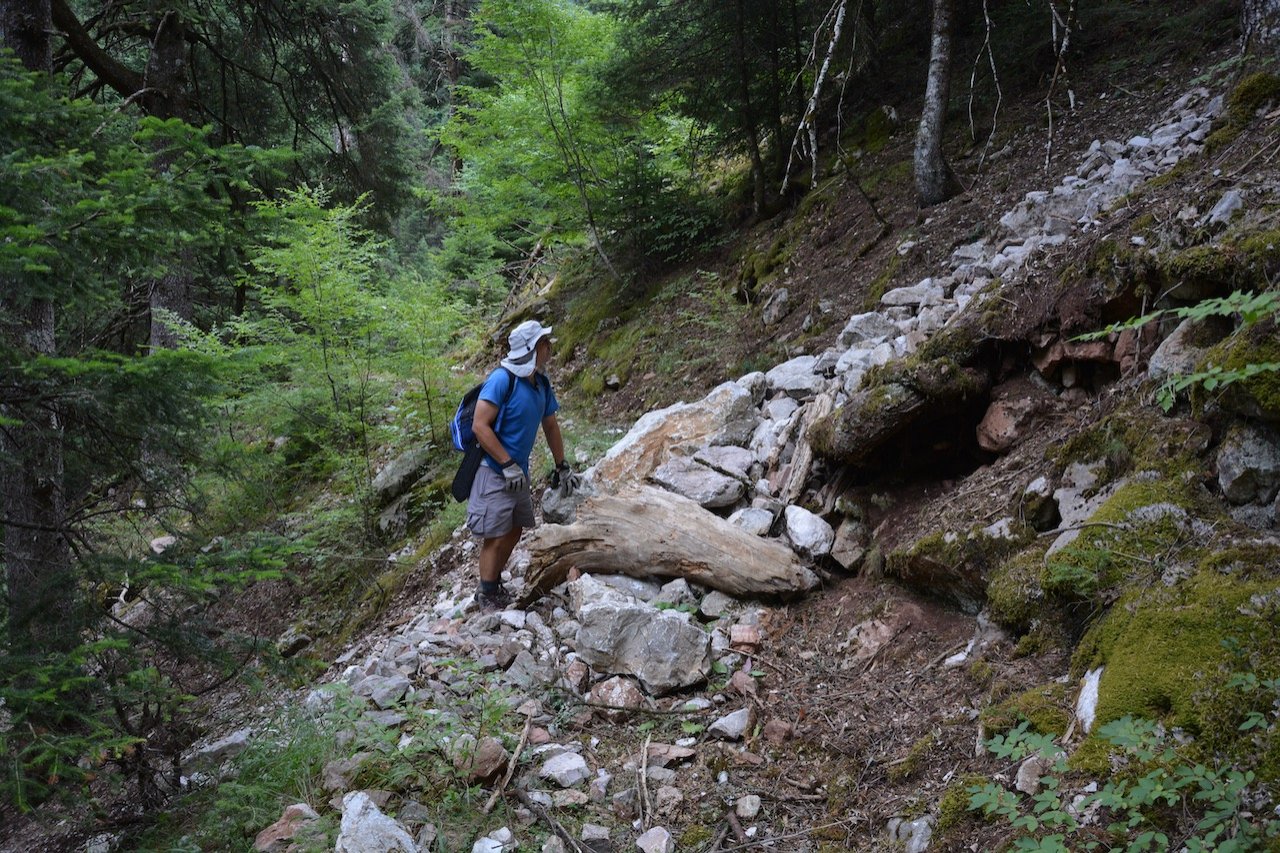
x,y
495,552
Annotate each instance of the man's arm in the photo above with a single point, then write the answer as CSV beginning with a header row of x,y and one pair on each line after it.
x,y
551,429
482,426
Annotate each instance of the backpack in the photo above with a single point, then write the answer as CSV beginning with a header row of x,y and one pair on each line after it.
x,y
460,427
464,437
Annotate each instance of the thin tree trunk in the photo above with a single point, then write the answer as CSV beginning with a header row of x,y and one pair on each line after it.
x,y
1260,26
32,497
935,181
166,86
750,131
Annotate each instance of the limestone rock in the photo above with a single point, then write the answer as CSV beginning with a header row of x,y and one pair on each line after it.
x,y
753,520
776,306
658,647
914,835
365,829
1249,465
747,807
656,840
617,693
795,377
727,459
566,770
727,415
400,474
732,726
809,533
1177,354
707,487
861,329
849,546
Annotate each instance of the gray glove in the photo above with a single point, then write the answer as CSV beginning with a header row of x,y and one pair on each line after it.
x,y
514,476
564,479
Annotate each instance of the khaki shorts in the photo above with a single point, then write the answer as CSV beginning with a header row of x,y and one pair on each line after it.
x,y
492,511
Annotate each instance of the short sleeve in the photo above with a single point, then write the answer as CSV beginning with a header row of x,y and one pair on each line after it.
x,y
553,405
494,389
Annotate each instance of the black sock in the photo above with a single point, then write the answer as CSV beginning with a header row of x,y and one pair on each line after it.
x,y
488,587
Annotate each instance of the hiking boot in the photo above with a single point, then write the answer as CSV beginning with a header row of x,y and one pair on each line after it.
x,y
492,602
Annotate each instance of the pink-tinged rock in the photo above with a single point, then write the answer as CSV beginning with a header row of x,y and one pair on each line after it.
x,y
1002,426
778,731
280,835
538,736
666,754
743,683
1015,405
620,694
479,761
745,638
1050,357
1128,350
1088,350
576,675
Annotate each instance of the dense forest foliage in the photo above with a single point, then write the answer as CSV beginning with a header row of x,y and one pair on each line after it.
x,y
242,247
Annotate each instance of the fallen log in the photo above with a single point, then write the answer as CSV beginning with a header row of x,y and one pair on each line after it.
x,y
643,532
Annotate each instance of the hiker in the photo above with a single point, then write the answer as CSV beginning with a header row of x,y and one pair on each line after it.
x,y
500,505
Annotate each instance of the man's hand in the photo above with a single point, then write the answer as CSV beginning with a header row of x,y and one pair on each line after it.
x,y
564,479
514,476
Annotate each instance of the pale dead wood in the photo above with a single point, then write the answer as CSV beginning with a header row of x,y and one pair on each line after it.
x,y
643,531
511,766
802,458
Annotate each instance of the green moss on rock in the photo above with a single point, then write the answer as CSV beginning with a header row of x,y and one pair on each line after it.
x,y
1045,708
1250,94
955,567
1013,590
953,807
1160,646
1259,395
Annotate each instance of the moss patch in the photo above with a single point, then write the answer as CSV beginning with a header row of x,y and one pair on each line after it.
x,y
1252,93
1045,708
1013,590
1160,646
953,807
1136,438
1259,395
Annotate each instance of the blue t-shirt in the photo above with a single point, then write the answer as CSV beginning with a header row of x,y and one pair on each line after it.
x,y
516,423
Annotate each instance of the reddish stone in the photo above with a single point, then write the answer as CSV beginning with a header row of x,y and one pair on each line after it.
x,y
576,675
621,694
745,638
280,835
778,731
743,683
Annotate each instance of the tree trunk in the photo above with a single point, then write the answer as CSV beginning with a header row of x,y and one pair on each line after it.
x,y
32,498
25,28
750,129
643,531
166,98
1260,25
935,182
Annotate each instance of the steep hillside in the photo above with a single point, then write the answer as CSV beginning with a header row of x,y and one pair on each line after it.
x,y
1016,517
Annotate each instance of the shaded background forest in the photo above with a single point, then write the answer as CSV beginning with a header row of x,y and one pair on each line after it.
x,y
245,246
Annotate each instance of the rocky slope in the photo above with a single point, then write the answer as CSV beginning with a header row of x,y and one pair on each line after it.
x,y
999,517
